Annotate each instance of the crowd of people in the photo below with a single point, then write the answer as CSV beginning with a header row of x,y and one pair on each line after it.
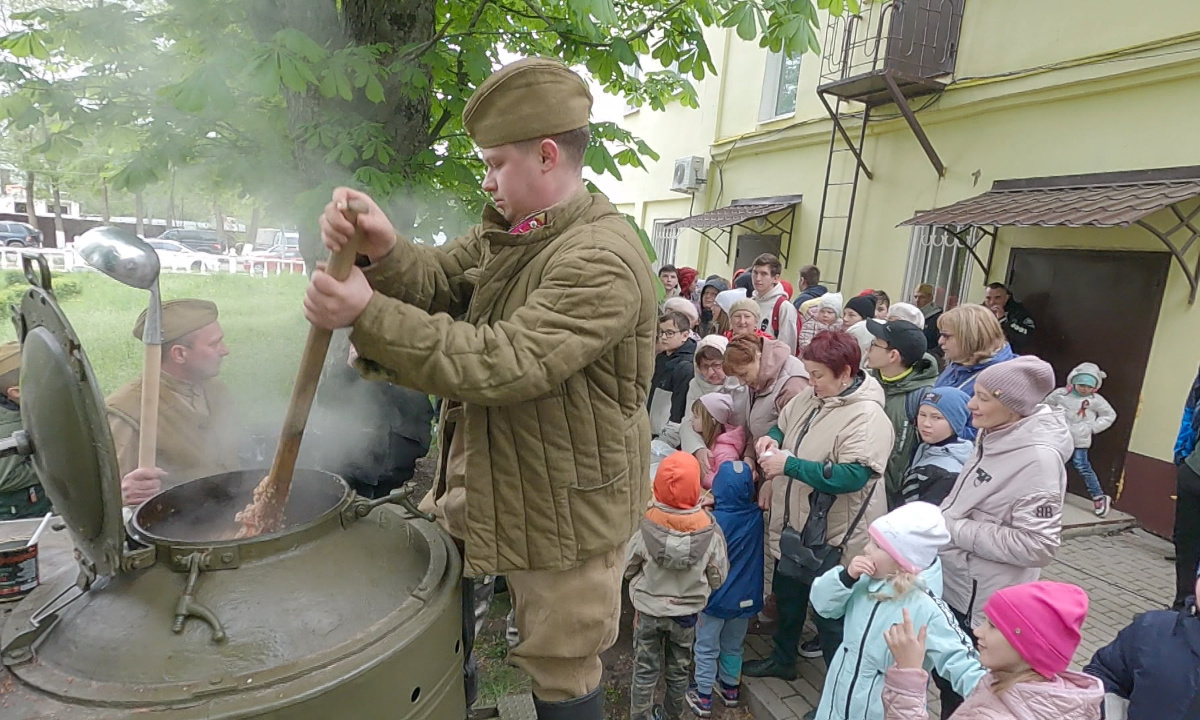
x,y
899,488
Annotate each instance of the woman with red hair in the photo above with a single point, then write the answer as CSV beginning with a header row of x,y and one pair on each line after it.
x,y
827,452
687,283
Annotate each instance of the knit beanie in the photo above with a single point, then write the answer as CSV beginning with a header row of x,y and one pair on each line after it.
x,y
677,482
864,305
1042,621
749,305
952,404
726,299
832,301
720,406
912,534
1020,384
908,312
684,307
1085,379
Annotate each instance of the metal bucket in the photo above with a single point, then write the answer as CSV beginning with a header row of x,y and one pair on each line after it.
x,y
18,569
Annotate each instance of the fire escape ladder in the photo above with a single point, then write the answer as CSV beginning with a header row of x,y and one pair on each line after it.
x,y
844,168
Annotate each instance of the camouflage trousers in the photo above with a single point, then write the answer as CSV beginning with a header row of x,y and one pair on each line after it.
x,y
661,648
30,502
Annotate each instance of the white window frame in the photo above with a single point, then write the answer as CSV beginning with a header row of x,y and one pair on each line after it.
x,y
772,78
936,257
664,240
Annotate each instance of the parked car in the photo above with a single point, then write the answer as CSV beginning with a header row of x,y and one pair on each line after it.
x,y
207,241
176,256
19,234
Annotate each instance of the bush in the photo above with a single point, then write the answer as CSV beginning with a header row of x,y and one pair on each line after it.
x,y
65,288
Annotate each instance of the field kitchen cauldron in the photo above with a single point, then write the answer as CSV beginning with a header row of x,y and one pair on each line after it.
x,y
352,610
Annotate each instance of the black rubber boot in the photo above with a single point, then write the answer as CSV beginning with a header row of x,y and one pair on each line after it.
x,y
588,707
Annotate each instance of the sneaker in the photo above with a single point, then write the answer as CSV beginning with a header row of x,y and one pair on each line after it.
x,y
810,648
657,713
768,668
729,694
1102,505
700,704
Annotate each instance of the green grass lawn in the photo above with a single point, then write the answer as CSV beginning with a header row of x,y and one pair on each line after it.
x,y
263,321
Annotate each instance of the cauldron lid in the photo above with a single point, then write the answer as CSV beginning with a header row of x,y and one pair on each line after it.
x,y
63,413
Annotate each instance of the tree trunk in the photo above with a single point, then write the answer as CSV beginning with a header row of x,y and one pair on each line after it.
x,y
219,224
104,189
252,228
59,230
30,213
138,210
171,201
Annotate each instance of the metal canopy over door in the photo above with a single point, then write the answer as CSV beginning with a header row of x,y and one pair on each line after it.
x,y
1102,307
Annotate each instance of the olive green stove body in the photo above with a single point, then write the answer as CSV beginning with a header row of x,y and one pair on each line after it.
x,y
352,611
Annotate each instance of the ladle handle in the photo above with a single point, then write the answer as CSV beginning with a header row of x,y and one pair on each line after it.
x,y
311,362
148,425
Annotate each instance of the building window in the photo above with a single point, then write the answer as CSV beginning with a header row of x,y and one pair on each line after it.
x,y
937,258
780,84
663,239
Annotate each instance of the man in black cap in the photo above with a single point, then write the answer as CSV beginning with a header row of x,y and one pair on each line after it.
x,y
898,359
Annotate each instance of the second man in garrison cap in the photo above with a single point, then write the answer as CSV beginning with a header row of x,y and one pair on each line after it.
x,y
197,433
21,495
537,326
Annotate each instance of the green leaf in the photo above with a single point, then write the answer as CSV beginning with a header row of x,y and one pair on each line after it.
x,y
28,43
746,29
374,90
623,53
301,45
289,73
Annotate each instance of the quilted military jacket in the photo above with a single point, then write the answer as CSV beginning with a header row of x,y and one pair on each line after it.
x,y
542,344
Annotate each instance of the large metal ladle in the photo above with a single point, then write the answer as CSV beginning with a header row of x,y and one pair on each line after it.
x,y
131,261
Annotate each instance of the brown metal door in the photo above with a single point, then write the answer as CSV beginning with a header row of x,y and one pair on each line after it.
x,y
751,246
1095,306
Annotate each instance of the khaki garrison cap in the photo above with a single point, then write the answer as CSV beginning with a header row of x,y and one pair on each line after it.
x,y
180,317
10,357
528,99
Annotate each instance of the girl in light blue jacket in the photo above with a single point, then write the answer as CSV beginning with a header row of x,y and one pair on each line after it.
x,y
897,576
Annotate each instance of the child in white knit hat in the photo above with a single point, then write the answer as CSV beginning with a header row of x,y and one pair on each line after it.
x,y
896,579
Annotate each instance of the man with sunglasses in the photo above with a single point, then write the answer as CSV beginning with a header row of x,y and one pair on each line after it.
x,y
673,370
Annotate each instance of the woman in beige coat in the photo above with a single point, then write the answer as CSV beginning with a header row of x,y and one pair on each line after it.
x,y
834,438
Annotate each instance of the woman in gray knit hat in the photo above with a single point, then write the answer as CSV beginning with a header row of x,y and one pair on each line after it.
x,y
1005,511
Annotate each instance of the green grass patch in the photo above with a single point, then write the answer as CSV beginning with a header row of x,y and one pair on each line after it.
x,y
262,318
497,678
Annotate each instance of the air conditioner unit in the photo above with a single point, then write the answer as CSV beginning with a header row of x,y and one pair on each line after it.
x,y
689,175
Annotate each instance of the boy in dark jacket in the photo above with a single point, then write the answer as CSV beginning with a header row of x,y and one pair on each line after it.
x,y
940,456
673,370
721,628
1155,664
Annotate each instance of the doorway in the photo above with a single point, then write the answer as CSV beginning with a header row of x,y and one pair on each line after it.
x,y
750,246
1096,306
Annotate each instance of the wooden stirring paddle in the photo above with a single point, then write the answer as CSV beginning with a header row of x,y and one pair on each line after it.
x,y
265,512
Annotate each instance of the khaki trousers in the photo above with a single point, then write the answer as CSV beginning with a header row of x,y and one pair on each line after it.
x,y
566,618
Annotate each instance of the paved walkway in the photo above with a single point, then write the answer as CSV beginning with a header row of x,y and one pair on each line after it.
x,y
1125,574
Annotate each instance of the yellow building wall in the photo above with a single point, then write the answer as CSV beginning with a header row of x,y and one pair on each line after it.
x,y
1122,113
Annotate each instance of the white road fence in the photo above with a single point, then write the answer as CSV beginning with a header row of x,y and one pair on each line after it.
x,y
69,261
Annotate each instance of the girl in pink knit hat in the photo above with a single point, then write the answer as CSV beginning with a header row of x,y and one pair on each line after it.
x,y
1027,641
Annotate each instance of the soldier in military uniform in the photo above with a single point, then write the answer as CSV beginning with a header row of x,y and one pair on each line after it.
x,y
197,433
21,495
537,328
